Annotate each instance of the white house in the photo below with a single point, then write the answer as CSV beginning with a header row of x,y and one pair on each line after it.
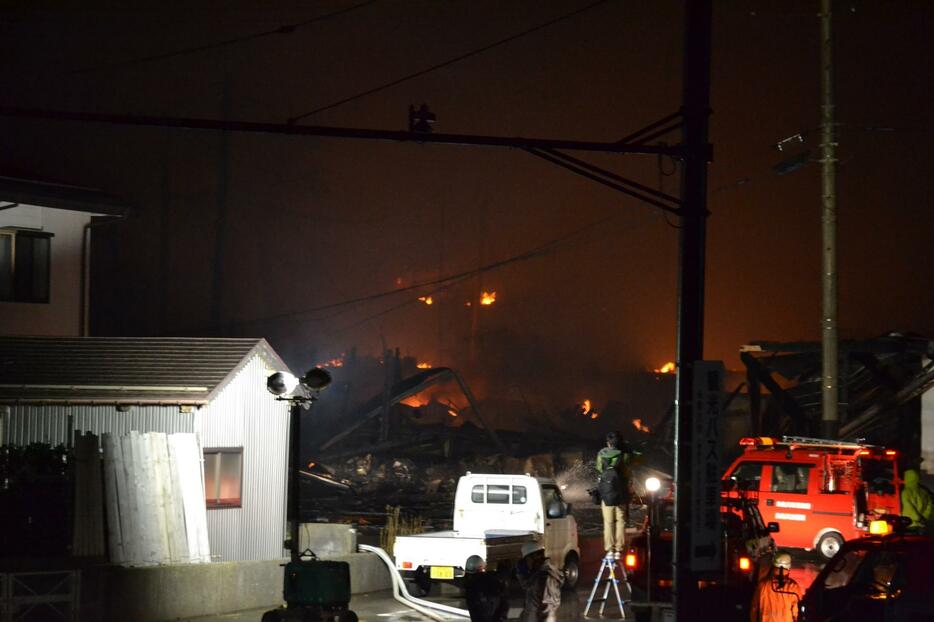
x,y
51,387
45,233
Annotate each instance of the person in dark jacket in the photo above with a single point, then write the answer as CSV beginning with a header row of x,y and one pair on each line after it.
x,y
542,583
487,598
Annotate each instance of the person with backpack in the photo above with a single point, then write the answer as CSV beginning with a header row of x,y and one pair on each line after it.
x,y
613,487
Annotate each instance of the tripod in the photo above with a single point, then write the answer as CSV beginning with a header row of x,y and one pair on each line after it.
x,y
614,573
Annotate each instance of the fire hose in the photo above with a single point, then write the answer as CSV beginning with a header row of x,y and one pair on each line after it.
x,y
401,593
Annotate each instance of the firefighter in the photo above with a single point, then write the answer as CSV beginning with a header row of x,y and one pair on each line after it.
x,y
542,583
614,486
777,596
916,503
485,592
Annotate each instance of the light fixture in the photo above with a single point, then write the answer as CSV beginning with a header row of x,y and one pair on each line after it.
x,y
652,484
316,379
281,383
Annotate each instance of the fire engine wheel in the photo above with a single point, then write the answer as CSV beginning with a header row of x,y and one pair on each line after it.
x,y
829,544
571,571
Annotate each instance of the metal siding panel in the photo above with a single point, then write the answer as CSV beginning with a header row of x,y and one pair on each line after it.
x,y
30,424
245,415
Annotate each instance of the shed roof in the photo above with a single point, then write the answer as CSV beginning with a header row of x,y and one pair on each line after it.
x,y
123,370
60,196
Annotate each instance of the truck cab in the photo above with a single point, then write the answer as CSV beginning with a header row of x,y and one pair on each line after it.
x,y
822,492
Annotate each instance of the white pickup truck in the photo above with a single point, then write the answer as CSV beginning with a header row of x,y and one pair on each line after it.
x,y
494,515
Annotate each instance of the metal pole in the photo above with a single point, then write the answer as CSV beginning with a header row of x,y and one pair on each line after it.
x,y
648,548
830,420
690,346
295,450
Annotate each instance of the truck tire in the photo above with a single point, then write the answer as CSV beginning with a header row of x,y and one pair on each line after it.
x,y
571,571
829,544
420,585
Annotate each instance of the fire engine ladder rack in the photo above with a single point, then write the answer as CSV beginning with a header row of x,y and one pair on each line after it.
x,y
819,442
615,573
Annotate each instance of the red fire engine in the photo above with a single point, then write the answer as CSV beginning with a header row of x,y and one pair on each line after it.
x,y
821,492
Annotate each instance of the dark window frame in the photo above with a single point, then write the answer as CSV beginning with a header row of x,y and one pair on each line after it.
x,y
19,290
215,503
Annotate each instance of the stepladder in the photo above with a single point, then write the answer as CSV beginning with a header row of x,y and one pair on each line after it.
x,y
610,576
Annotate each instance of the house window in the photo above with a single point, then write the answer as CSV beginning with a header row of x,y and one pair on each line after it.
x,y
223,477
24,265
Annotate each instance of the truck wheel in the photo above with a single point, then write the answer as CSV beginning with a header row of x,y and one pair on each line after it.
x,y
272,616
571,571
829,544
347,616
421,583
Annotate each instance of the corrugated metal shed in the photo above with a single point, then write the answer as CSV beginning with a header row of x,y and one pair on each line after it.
x,y
55,385
123,370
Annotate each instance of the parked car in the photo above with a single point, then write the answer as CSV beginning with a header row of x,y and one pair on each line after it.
x,y
878,578
747,545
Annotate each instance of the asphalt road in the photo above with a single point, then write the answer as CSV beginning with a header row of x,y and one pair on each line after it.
x,y
382,607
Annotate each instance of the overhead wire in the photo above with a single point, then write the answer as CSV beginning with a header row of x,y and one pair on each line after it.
x,y
281,30
446,281
447,62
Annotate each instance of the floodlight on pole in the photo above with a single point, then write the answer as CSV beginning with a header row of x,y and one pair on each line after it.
x,y
281,383
652,484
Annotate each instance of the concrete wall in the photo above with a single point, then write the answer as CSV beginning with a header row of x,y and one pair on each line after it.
x,y
62,313
163,593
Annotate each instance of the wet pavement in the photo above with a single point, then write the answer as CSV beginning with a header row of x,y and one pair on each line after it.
x,y
382,607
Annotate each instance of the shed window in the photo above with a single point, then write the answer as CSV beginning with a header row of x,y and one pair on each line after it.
x,y
223,477
476,494
24,265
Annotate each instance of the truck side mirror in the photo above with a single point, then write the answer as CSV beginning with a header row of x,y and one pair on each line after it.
x,y
773,527
556,509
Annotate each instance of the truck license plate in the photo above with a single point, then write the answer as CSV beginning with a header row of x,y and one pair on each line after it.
x,y
442,572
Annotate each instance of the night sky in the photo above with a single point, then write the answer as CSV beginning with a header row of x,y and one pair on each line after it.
x,y
310,222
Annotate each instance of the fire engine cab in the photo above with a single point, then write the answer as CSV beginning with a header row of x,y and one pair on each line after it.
x,y
821,492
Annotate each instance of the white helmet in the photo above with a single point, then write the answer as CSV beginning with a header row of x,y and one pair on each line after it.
x,y
782,560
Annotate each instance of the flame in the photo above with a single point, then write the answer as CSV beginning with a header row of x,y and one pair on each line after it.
x,y
427,300
468,304
587,410
414,402
335,362
487,298
452,412
639,426
667,368
424,366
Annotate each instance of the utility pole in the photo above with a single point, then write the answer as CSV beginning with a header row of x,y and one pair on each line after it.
x,y
690,346
830,417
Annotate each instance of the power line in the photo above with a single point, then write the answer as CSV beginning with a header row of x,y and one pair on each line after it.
x,y
446,281
448,62
285,29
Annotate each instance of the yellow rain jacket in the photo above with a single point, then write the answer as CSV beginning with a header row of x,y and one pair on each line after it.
x,y
916,501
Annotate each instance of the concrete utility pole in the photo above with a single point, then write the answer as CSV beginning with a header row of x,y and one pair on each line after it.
x,y
830,417
696,71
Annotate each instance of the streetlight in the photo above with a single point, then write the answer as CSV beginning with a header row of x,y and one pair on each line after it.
x,y
300,393
652,484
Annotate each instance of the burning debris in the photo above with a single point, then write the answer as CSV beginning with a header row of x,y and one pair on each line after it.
x,y
428,300
667,368
487,298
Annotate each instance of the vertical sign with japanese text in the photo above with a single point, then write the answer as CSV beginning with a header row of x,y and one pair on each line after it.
x,y
707,395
